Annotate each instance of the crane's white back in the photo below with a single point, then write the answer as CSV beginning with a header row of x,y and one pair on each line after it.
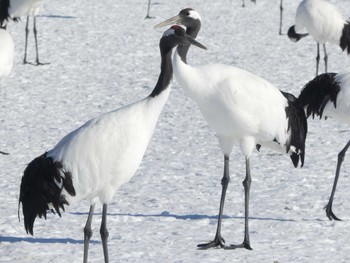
x,y
123,136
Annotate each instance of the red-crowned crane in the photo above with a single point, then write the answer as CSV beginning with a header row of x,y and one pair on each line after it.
x,y
242,108
94,160
324,23
12,9
328,95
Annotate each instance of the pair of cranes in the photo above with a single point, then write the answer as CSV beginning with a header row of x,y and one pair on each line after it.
x,y
94,160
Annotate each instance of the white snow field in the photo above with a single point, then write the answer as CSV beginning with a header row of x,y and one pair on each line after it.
x,y
103,55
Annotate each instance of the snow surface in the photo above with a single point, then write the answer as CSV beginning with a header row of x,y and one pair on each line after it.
x,y
103,55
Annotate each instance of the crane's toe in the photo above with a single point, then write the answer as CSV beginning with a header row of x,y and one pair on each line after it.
x,y
218,241
243,245
330,213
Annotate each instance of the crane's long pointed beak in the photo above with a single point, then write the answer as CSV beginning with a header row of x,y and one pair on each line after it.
x,y
170,21
191,41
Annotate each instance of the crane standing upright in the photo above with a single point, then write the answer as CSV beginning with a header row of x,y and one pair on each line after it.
x,y
324,23
12,9
93,161
242,108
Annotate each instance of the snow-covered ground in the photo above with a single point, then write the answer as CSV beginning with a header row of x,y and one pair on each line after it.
x,y
103,55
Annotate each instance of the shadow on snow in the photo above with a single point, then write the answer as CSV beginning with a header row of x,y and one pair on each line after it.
x,y
43,240
189,217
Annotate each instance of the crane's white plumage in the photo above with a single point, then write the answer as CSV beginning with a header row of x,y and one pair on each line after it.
x,y
20,8
324,23
233,102
106,151
321,20
94,160
241,108
6,53
328,95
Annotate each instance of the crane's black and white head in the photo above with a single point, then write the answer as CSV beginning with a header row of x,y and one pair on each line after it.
x,y
176,35
188,17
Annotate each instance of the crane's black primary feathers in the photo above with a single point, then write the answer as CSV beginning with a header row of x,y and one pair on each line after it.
x,y
316,93
4,13
345,38
42,184
297,123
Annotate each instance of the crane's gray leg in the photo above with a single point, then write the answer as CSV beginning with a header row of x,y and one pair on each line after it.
x,y
243,4
328,207
317,58
36,44
88,233
4,153
325,57
26,42
104,232
218,240
281,12
148,10
246,183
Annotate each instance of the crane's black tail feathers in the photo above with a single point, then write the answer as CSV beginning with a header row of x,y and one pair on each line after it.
x,y
345,38
297,125
42,184
318,92
4,13
294,36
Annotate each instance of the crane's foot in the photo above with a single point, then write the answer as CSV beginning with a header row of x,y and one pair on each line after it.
x,y
329,213
149,17
218,241
243,245
38,63
4,153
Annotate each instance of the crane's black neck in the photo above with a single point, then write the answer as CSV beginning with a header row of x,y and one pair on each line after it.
x,y
166,72
192,31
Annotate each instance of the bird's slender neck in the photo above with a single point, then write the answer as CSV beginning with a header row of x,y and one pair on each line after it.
x,y
192,31
166,73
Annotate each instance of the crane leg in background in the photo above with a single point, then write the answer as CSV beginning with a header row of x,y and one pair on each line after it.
x,y
36,45
281,14
148,10
328,207
325,57
26,42
317,58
